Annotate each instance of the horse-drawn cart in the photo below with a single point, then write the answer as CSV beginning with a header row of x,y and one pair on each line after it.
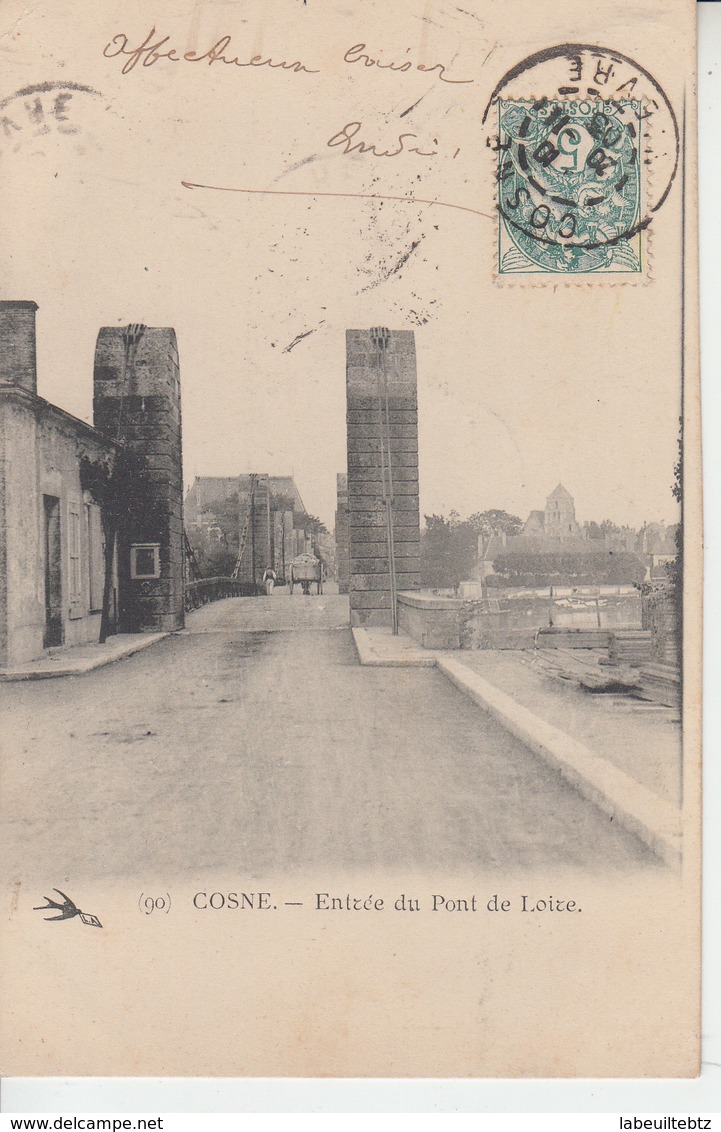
x,y
305,569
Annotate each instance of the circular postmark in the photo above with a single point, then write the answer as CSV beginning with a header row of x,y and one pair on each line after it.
x,y
32,118
586,147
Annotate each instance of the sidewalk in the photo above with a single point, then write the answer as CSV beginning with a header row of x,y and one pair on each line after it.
x,y
628,765
78,659
378,648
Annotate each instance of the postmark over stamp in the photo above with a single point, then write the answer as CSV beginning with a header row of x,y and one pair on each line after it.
x,y
569,196
586,146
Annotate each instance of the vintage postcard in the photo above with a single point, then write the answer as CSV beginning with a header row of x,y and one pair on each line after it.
x,y
350,590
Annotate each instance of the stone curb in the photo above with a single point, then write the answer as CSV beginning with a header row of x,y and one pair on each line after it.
x,y
651,819
654,821
79,667
370,658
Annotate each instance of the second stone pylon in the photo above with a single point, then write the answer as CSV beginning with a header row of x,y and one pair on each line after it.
x,y
382,424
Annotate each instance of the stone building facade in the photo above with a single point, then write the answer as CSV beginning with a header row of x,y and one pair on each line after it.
x,y
76,550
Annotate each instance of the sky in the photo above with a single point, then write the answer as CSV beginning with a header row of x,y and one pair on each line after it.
x,y
520,386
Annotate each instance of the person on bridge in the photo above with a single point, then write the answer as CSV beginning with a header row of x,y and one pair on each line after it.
x,y
269,579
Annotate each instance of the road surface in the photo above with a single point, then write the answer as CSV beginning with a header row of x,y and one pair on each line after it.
x,y
255,742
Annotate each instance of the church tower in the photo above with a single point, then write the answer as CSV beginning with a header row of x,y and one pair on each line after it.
x,y
560,514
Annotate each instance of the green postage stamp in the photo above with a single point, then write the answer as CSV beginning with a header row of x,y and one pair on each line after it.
x,y
570,186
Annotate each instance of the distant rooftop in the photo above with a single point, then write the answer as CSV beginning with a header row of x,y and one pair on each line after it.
x,y
560,492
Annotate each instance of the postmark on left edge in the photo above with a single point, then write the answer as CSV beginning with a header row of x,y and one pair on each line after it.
x,y
37,116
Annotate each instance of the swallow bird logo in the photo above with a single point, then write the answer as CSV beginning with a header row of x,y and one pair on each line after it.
x,y
67,910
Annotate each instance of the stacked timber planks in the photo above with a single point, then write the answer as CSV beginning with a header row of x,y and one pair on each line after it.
x,y
581,667
660,683
655,683
630,646
573,638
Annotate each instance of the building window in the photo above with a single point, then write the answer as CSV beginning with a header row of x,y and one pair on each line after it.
x,y
145,560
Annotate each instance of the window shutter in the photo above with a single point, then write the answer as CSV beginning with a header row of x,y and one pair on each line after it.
x,y
75,570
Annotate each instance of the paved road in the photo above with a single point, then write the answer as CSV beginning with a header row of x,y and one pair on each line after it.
x,y
255,741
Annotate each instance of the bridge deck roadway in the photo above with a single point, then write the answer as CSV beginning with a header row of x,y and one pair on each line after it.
x,y
255,742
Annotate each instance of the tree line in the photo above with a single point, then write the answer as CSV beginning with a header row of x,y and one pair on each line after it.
x,y
450,554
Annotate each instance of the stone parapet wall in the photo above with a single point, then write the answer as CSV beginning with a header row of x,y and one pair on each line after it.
x,y
482,629
432,621
452,623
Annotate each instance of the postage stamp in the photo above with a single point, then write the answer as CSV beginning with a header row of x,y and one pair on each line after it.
x,y
569,187
586,149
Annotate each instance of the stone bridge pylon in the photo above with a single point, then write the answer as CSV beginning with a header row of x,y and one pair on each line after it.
x,y
383,516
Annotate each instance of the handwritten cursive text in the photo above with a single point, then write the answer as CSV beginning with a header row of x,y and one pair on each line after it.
x,y
157,48
356,54
153,49
346,139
